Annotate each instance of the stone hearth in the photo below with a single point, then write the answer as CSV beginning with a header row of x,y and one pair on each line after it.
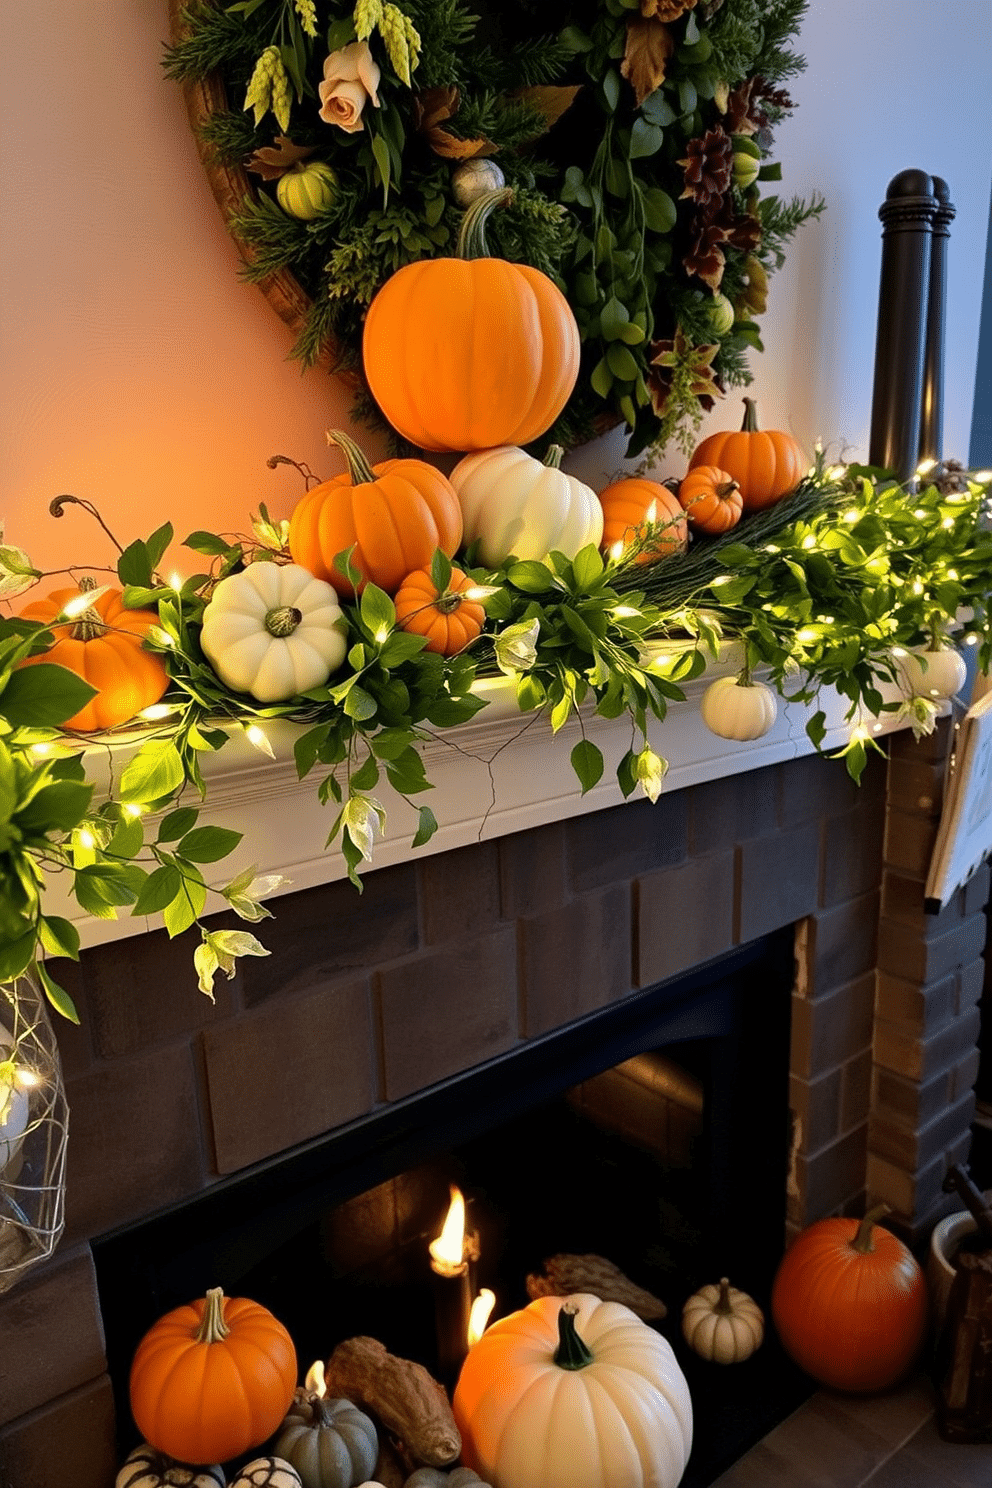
x,y
451,961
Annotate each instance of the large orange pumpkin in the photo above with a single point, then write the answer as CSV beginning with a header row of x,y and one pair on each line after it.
x,y
395,515
850,1303
212,1379
766,463
470,352
103,646
447,618
629,505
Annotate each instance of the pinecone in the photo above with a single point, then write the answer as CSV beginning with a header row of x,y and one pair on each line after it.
x,y
949,476
708,166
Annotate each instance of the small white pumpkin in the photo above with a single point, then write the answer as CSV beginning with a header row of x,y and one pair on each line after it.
x,y
146,1467
934,674
512,503
736,709
723,1324
267,1472
274,631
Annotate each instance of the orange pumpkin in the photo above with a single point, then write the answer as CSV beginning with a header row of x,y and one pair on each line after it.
x,y
103,646
850,1303
711,499
212,1379
447,618
470,352
395,515
766,463
629,505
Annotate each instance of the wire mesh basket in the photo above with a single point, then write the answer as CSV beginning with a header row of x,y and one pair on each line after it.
x,y
34,1122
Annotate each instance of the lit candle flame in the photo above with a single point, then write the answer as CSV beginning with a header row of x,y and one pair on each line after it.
x,y
447,1251
314,1381
479,1316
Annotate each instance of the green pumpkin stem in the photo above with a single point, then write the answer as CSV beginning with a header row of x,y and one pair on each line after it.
x,y
553,459
359,468
862,1241
213,1328
571,1352
281,622
90,623
472,233
750,424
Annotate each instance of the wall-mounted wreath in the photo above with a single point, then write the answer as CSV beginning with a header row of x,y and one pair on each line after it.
x,y
345,140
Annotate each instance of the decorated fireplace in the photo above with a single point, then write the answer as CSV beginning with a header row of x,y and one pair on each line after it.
x,y
391,1037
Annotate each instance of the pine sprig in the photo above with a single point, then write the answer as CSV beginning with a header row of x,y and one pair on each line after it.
x,y
214,39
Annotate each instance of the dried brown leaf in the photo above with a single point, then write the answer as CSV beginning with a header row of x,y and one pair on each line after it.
x,y
273,161
449,147
649,46
550,103
434,106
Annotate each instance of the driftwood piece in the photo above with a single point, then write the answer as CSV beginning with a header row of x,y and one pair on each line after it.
x,y
401,1394
564,1274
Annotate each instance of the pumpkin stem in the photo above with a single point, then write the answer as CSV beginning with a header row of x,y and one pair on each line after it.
x,y
862,1241
281,622
571,1352
448,602
359,469
553,459
472,233
90,623
213,1328
722,1303
725,489
750,424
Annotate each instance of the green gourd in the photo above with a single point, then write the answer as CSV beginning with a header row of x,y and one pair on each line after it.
x,y
331,1443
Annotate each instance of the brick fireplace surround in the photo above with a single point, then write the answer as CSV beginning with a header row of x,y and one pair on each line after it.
x,y
456,958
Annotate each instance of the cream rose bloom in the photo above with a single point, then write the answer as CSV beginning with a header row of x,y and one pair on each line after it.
x,y
351,78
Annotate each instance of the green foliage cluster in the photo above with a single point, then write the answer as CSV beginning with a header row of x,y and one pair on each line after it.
x,y
824,589
600,193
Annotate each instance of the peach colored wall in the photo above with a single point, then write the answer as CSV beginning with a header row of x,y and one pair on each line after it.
x,y
140,373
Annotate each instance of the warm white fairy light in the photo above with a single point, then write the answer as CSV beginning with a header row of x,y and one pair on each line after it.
x,y
479,592
40,751
625,612
919,513
859,734
86,839
971,639
771,548
161,637
947,523
77,605
809,541
835,472
616,551
132,810
175,581
382,635
258,737
925,466
155,711
807,635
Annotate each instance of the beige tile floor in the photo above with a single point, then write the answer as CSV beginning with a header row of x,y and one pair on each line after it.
x,y
841,1441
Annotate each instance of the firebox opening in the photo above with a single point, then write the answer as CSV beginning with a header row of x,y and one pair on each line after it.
x,y
654,1133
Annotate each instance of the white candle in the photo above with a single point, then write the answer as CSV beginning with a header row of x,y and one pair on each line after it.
x,y
15,1113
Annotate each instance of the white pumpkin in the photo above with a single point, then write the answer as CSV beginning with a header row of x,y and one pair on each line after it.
x,y
722,1324
735,709
512,503
533,1410
274,631
146,1467
267,1472
936,674
15,1107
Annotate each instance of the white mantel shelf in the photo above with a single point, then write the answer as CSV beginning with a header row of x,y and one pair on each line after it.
x,y
500,773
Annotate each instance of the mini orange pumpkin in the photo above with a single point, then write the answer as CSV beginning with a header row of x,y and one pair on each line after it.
x,y
767,464
711,499
395,515
630,504
212,1379
446,617
103,646
471,352
850,1303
